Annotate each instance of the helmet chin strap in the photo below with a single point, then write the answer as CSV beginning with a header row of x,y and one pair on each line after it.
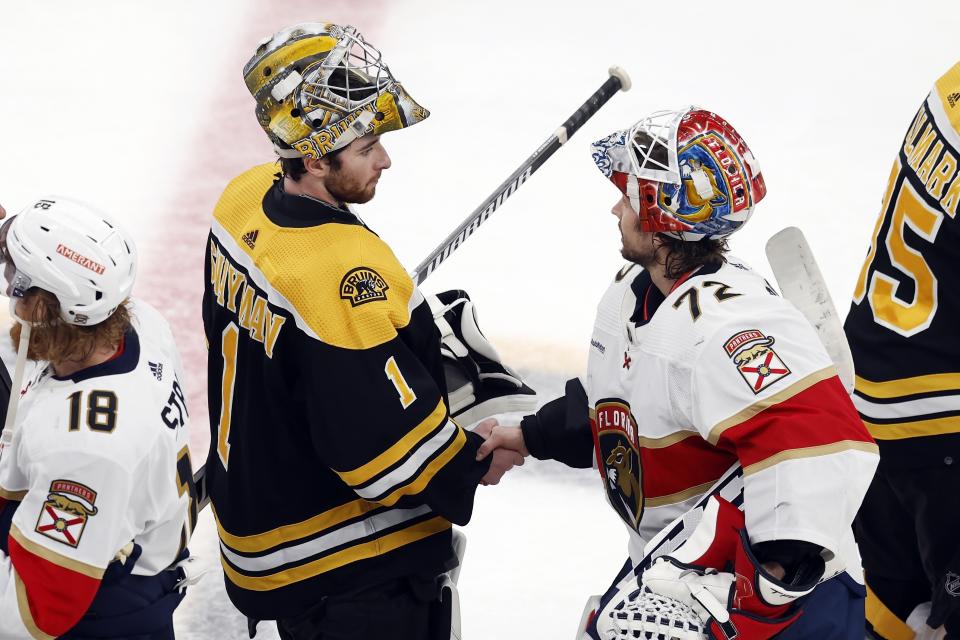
x,y
9,425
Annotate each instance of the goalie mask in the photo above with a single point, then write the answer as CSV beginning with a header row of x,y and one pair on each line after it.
x,y
320,86
73,251
688,174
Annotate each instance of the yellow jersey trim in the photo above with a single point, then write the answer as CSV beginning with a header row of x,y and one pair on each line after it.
x,y
747,413
913,429
885,622
259,542
23,605
400,448
810,452
55,558
431,470
948,86
931,383
341,558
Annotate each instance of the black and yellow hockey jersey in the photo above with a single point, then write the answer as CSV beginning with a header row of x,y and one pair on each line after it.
x,y
333,462
903,324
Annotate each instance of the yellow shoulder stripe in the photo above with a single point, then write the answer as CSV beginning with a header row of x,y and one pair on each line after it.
x,y
948,87
400,448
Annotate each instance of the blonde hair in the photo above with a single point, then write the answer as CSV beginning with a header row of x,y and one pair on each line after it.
x,y
53,339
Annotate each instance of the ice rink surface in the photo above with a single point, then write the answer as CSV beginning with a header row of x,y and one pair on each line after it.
x,y
139,107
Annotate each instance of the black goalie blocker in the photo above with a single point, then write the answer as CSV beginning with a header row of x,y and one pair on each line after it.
x,y
479,385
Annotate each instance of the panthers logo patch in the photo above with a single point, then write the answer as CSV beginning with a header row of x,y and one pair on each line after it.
x,y
362,285
758,364
64,515
618,458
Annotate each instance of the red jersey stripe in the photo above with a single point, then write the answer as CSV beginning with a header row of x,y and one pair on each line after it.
x,y
53,598
682,465
816,417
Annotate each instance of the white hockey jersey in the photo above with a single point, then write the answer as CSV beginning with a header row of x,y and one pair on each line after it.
x,y
99,459
719,372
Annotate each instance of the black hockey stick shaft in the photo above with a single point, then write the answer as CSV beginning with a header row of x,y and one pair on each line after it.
x,y
618,81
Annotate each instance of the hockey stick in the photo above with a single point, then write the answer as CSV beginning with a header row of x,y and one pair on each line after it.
x,y
618,81
802,284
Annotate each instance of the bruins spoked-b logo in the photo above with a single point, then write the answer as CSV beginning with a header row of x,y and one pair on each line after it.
x,y
753,354
362,285
64,515
619,458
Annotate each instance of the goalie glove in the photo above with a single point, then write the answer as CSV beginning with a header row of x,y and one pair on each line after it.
x,y
747,602
479,385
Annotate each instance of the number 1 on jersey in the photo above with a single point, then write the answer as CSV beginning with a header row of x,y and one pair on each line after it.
x,y
229,344
407,396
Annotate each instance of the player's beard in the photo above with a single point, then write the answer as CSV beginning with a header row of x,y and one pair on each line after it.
x,y
346,188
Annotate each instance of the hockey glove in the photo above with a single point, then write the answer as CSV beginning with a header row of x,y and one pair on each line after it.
x,y
479,385
747,602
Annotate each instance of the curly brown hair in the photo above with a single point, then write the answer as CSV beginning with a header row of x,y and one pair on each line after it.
x,y
54,340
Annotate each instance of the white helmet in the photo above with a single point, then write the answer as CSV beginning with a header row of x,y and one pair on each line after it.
x,y
73,251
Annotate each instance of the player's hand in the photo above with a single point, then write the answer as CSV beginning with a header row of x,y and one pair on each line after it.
x,y
502,461
485,427
503,437
3,212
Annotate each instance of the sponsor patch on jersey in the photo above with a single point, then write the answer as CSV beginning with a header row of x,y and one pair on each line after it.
x,y
753,354
363,285
156,369
618,458
64,515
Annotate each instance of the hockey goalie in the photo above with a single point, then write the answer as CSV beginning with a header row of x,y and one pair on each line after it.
x,y
724,438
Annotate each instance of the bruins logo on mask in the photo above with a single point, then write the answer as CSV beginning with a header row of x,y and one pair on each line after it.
x,y
362,285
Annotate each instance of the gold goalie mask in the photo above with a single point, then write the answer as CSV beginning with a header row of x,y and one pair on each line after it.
x,y
320,86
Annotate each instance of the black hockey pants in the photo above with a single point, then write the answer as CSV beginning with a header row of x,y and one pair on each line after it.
x,y
402,609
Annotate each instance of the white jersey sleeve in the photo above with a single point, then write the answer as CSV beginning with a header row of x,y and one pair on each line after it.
x,y
99,461
764,388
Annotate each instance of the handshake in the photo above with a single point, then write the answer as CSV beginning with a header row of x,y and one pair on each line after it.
x,y
506,446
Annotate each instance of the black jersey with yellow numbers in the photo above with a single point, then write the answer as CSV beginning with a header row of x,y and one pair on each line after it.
x,y
333,461
903,323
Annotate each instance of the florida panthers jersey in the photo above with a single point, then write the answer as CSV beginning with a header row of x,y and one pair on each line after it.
x,y
902,325
722,371
99,459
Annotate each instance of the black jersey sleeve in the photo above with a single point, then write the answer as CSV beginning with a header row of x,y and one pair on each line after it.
x,y
381,424
560,430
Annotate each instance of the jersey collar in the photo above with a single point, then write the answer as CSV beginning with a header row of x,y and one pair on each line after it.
x,y
125,362
288,210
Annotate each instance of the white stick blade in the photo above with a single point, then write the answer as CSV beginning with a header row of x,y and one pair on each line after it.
x,y
802,284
